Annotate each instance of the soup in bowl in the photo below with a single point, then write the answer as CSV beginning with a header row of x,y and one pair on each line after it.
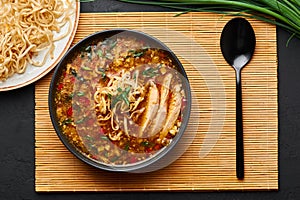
x,y
120,100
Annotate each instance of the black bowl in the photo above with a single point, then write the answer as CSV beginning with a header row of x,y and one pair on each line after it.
x,y
161,158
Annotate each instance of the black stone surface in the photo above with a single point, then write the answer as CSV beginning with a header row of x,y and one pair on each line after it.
x,y
17,134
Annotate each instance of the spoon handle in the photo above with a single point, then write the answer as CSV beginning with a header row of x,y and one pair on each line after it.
x,y
239,128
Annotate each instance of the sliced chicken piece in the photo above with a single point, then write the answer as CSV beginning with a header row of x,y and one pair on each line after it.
x,y
159,120
151,107
173,111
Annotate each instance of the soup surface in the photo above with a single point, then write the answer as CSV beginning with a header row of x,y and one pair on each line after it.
x,y
120,101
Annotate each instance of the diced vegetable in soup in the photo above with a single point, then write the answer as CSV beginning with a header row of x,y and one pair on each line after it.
x,y
120,101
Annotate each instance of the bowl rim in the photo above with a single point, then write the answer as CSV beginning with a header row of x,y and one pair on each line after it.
x,y
98,36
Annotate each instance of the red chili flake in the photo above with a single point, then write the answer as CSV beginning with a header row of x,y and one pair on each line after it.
x,y
84,101
162,55
133,160
72,79
90,122
102,131
180,118
157,147
148,150
94,157
70,112
60,86
169,136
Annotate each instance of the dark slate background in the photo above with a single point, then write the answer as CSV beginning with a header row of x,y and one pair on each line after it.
x,y
17,134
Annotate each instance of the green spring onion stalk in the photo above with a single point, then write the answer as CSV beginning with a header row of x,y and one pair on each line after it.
x,y
284,13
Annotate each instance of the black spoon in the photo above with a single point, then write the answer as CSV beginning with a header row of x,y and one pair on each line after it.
x,y
237,46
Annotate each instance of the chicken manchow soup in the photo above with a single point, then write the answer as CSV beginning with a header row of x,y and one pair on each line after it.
x,y
119,100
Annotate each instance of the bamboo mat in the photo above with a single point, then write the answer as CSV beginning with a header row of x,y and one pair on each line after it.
x,y
209,162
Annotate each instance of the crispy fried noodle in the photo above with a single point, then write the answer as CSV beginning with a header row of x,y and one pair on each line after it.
x,y
27,29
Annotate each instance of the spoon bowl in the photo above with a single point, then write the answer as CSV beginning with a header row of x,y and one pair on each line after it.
x,y
238,42
237,46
